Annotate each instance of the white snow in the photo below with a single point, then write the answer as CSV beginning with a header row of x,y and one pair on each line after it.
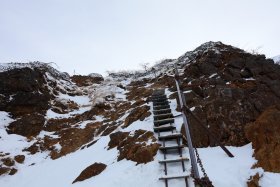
x,y
222,170
95,75
276,59
51,114
213,75
192,108
80,100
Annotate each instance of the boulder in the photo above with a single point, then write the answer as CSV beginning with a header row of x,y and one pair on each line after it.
x,y
8,161
134,146
4,170
28,125
139,113
90,171
24,92
19,158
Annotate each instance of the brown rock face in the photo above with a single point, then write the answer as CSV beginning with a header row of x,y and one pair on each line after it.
x,y
64,106
136,114
254,181
86,80
90,171
19,158
134,147
8,161
72,139
28,125
13,171
264,135
26,86
228,89
33,149
137,92
4,170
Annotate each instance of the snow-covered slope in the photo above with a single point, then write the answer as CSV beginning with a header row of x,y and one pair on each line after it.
x,y
100,106
223,171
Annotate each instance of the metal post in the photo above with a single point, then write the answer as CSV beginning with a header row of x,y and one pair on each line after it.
x,y
189,140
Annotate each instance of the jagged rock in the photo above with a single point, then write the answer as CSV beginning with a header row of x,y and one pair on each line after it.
x,y
254,181
138,92
8,161
139,113
134,147
19,158
118,109
90,171
4,170
110,128
33,149
13,171
64,106
137,103
81,80
264,135
24,91
72,139
240,88
28,125
58,124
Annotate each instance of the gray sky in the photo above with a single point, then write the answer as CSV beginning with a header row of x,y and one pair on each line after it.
x,y
98,35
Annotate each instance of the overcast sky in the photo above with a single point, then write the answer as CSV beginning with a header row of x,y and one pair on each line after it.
x,y
98,35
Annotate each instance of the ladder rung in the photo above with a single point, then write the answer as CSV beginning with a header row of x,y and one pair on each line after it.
x,y
162,111
170,136
164,128
174,176
180,159
163,116
160,103
163,121
161,107
171,147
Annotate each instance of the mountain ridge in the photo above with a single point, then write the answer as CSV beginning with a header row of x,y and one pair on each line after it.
x,y
226,87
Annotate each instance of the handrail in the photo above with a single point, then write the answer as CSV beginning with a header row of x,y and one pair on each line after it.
x,y
185,110
189,140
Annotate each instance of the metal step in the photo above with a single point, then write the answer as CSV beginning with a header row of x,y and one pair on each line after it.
x,y
162,111
179,159
183,175
163,116
161,107
158,91
158,98
164,128
163,122
171,147
161,103
170,136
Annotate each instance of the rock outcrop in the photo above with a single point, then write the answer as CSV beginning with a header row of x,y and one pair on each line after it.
x,y
264,135
82,80
27,91
226,88
90,171
134,146
139,113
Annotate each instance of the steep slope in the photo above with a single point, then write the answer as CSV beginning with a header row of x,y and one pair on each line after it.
x,y
103,128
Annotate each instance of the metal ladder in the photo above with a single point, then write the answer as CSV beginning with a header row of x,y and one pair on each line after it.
x,y
164,122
